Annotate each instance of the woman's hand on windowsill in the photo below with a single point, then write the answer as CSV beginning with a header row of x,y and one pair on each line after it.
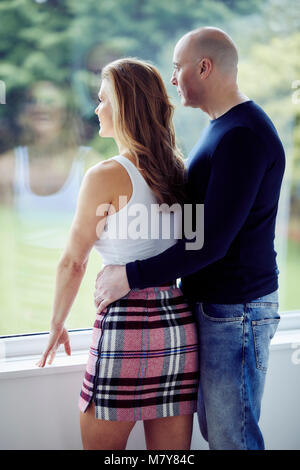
x,y
57,336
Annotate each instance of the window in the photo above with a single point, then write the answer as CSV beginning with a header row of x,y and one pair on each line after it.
x,y
51,56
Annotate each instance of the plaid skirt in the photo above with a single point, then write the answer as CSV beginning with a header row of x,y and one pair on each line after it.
x,y
143,360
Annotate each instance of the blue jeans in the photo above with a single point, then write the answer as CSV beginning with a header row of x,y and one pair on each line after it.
x,y
234,351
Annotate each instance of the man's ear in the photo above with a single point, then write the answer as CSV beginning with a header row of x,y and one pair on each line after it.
x,y
205,67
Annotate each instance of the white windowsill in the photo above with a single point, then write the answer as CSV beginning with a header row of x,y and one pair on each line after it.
x,y
24,366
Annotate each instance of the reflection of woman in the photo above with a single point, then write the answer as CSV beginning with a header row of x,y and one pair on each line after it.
x,y
143,359
49,169
39,185
47,134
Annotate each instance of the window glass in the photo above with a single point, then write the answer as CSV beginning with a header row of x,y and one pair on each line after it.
x,y
51,55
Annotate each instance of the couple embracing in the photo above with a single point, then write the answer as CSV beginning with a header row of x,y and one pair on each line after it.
x,y
161,352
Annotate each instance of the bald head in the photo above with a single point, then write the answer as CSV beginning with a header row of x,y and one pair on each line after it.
x,y
205,68
215,44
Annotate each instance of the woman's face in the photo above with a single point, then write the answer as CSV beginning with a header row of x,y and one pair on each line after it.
x,y
45,109
104,112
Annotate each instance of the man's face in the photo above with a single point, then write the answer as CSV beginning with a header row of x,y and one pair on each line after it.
x,y
185,75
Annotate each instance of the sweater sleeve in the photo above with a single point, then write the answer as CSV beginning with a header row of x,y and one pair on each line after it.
x,y
237,168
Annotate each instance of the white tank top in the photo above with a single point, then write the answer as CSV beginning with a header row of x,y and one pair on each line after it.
x,y
46,219
138,230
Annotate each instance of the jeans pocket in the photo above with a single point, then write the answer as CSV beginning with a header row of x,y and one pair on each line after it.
x,y
222,312
263,332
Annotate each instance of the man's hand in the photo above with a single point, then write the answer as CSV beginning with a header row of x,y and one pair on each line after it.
x,y
111,285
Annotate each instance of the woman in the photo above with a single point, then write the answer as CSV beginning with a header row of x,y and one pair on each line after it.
x,y
143,362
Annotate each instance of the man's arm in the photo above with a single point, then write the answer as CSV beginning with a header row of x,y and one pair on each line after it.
x,y
238,166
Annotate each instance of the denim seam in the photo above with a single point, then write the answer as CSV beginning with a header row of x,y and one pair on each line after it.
x,y
231,319
268,321
255,347
243,384
262,304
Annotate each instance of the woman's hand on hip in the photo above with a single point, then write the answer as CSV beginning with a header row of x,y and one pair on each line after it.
x,y
57,336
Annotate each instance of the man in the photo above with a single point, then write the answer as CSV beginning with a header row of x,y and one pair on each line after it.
x,y
236,171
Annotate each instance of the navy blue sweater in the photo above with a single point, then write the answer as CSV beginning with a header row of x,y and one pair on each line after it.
x,y
236,171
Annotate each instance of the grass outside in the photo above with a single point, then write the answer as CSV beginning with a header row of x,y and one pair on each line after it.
x,y
289,291
27,280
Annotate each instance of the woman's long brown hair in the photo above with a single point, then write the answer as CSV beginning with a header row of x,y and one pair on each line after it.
x,y
142,118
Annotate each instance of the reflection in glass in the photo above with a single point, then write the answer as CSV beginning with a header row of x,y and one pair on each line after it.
x,y
51,56
46,171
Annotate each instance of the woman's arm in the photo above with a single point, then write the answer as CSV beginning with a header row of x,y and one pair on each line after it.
x,y
96,190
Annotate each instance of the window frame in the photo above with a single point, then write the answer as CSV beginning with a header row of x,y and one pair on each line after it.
x,y
15,347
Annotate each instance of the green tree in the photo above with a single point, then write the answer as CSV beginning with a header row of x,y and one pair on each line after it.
x,y
68,42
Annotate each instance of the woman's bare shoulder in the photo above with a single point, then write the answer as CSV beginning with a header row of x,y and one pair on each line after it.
x,y
8,157
106,168
106,180
7,167
7,164
101,180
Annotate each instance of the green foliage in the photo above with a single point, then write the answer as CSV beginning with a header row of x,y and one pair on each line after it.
x,y
267,75
105,147
69,41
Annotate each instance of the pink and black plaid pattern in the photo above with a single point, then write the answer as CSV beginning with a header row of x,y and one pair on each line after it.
x,y
143,361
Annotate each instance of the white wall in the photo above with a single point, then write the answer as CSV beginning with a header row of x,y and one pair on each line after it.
x,y
40,412
280,417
